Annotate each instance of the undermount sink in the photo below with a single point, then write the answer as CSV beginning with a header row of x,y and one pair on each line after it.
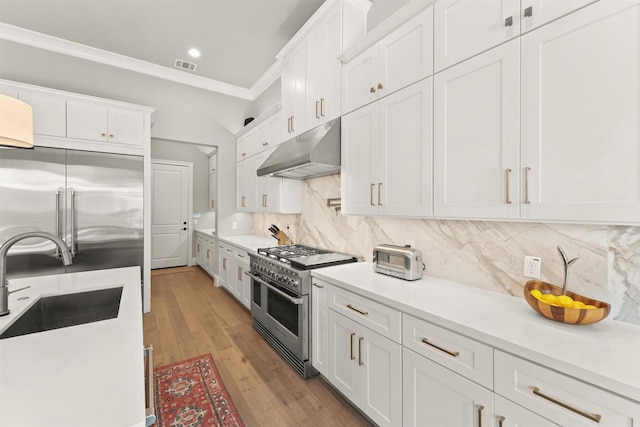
x,y
62,311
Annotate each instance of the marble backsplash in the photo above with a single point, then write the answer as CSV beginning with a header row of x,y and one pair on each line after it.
x,y
485,254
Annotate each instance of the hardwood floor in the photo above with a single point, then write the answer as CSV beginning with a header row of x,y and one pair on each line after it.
x,y
190,316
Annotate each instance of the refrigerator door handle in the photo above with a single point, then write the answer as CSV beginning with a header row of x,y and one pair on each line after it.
x,y
58,194
72,240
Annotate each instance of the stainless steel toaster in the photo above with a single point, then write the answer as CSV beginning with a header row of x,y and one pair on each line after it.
x,y
398,261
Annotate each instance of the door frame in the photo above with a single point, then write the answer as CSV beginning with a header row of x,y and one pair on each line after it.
x,y
190,229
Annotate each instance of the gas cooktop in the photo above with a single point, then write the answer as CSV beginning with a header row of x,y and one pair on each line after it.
x,y
306,257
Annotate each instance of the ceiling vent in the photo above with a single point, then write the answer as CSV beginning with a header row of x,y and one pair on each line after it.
x,y
184,65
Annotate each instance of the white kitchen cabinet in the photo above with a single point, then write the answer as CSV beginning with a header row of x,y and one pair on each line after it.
x,y
367,368
233,263
100,122
246,185
49,112
200,250
274,194
401,58
223,268
205,252
476,160
243,284
320,326
293,91
436,396
580,109
323,69
386,155
463,28
564,400
535,13
508,414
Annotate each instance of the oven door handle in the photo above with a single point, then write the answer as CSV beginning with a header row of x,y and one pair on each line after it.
x,y
296,301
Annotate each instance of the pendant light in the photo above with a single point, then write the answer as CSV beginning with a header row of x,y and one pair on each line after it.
x,y
16,123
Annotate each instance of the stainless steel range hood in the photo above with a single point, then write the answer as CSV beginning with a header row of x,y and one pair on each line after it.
x,y
314,153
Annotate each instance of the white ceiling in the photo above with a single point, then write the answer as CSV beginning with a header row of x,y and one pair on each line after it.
x,y
238,38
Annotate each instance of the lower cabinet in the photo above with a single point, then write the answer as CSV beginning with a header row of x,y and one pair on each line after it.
x,y
320,327
367,368
435,396
233,263
205,252
508,414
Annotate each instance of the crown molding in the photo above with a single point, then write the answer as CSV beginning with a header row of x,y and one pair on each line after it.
x,y
66,47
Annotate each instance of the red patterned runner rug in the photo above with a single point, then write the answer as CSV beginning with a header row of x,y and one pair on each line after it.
x,y
190,393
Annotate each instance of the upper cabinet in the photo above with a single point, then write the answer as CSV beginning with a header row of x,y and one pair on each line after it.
x,y
580,116
99,122
311,69
398,60
535,13
69,120
464,28
476,159
386,155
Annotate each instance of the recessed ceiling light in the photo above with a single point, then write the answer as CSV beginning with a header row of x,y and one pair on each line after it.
x,y
194,53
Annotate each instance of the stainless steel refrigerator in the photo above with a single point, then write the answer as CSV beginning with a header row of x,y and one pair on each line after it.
x,y
94,201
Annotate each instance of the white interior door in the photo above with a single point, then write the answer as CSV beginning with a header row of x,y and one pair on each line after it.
x,y
170,189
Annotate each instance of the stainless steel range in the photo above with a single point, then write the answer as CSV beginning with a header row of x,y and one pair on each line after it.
x,y
280,297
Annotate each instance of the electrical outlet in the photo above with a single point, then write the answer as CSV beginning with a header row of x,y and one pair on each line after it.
x,y
234,225
532,266
409,243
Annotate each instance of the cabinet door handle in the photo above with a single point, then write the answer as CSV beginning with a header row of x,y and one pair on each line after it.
x,y
528,11
110,135
240,274
317,286
321,107
360,362
372,90
364,313
224,263
371,194
449,352
213,203
289,124
501,421
208,253
526,185
242,202
198,248
480,409
351,356
317,108
508,22
508,172
104,134
592,417
379,198
292,129
380,86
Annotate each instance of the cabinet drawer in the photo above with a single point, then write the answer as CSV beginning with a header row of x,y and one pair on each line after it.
x,y
241,255
463,355
375,316
560,398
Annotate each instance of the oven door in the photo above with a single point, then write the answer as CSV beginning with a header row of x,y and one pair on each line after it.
x,y
283,313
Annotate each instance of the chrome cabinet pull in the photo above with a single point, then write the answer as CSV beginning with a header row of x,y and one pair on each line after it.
x,y
526,185
508,172
321,107
379,198
351,356
317,108
372,90
289,124
360,362
371,194
508,22
317,286
528,11
364,313
292,129
480,409
239,274
592,417
72,240
449,352
379,85
501,421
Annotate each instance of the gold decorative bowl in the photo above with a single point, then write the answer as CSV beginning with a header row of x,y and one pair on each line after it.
x,y
575,316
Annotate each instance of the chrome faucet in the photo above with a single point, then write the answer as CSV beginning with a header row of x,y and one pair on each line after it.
x,y
4,249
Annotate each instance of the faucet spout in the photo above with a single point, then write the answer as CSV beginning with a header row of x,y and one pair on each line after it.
x,y
4,250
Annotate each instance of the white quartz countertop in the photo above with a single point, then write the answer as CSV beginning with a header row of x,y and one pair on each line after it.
x,y
250,242
206,231
606,354
84,375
